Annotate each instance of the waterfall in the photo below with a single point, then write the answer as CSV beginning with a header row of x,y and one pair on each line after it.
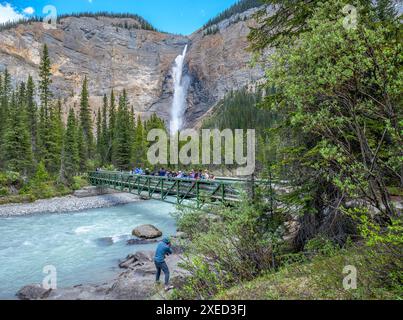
x,y
181,84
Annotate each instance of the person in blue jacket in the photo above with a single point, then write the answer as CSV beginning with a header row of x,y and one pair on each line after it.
x,y
163,250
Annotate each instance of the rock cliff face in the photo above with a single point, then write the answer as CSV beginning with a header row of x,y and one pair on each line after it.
x,y
138,60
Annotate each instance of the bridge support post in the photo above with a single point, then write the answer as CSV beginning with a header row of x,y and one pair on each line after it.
x,y
198,194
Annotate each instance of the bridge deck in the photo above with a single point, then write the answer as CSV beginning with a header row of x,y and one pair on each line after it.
x,y
202,192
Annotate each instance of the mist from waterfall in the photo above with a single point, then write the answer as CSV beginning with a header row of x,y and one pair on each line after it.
x,y
181,85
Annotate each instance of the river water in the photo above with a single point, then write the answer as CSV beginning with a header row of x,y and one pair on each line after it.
x,y
84,247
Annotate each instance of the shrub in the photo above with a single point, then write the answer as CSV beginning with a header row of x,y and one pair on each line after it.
x,y
79,182
321,245
238,246
3,191
10,178
190,221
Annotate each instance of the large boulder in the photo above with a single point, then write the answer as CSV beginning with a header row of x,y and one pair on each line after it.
x,y
137,259
33,292
147,231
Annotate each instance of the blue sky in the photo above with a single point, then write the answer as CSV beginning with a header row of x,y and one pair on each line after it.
x,y
176,16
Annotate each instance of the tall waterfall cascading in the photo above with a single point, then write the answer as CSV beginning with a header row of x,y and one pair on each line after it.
x,y
181,85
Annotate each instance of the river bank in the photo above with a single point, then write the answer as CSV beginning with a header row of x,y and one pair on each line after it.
x,y
67,204
136,282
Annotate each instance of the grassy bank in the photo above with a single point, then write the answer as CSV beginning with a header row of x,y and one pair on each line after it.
x,y
321,278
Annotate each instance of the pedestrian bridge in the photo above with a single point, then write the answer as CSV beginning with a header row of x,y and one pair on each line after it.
x,y
198,193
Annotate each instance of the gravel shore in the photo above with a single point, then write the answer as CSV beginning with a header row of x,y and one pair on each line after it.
x,y
67,204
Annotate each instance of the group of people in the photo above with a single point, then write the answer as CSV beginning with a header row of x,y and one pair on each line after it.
x,y
193,174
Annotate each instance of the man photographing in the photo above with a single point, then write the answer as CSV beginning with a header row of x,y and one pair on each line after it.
x,y
163,249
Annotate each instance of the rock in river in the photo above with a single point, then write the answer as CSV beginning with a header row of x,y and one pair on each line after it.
x,y
33,292
147,231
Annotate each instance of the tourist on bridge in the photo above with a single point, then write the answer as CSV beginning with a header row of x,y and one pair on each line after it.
x,y
162,172
163,250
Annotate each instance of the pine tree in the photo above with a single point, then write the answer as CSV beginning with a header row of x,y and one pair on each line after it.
x,y
104,132
122,138
112,123
86,121
139,145
45,80
70,155
17,144
54,139
99,133
2,123
5,90
82,149
32,114
44,128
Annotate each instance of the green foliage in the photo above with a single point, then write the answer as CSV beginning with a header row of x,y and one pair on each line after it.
x,y
122,140
241,110
4,191
320,278
190,221
79,183
45,80
10,178
211,30
33,138
232,245
86,122
321,245
239,7
41,175
141,22
338,101
103,145
139,157
375,235
13,24
70,155
17,142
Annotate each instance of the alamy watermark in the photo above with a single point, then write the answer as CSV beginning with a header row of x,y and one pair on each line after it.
x,y
50,280
50,18
351,18
205,147
350,280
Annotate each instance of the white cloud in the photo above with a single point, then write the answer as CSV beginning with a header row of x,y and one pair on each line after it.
x,y
29,10
7,13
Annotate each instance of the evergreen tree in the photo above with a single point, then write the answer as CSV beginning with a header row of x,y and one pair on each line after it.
x,y
17,144
82,150
122,138
54,139
70,155
86,121
44,133
45,80
5,90
32,114
104,132
98,136
139,145
112,123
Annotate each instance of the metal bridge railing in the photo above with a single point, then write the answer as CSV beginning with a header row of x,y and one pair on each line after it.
x,y
202,192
